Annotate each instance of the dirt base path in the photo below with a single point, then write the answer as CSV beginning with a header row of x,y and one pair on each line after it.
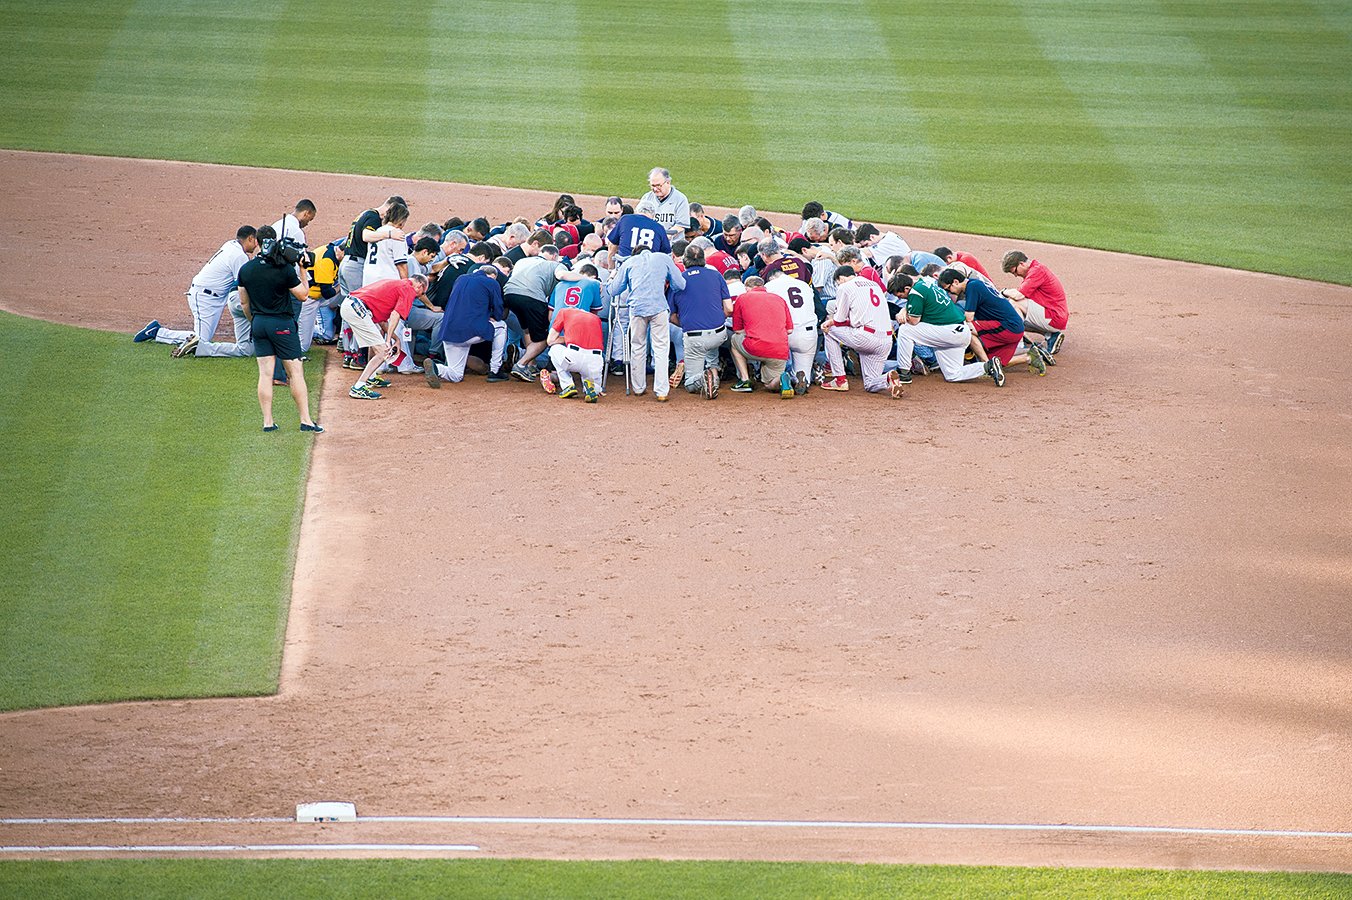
x,y
1114,596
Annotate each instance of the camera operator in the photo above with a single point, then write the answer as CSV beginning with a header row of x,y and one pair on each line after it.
x,y
267,285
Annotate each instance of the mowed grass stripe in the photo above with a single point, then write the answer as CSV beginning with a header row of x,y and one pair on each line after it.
x,y
149,539
489,878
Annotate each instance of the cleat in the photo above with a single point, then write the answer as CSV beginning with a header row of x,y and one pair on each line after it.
x,y
148,333
818,373
835,383
522,373
785,386
895,384
1054,342
742,387
589,393
510,354
995,371
661,398
903,376
800,384
362,392
430,373
678,375
497,378
185,348
709,390
546,381
1037,361
316,428
568,393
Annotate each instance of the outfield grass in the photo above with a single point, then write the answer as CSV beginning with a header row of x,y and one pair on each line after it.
x,y
149,533
1178,128
538,880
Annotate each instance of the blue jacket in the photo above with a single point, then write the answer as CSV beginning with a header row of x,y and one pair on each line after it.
x,y
474,300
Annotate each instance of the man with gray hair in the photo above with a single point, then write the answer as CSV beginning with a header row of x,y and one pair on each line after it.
x,y
670,208
516,234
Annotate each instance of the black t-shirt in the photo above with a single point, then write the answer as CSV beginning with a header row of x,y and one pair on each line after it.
x,y
441,288
269,287
356,247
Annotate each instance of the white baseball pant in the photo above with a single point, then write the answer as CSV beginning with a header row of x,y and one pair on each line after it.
x,y
206,308
949,343
569,359
871,346
457,354
243,345
803,348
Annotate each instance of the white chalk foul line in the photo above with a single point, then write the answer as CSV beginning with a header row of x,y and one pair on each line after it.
x,y
900,826
245,848
709,823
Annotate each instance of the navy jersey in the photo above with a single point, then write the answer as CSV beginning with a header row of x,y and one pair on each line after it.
x,y
634,231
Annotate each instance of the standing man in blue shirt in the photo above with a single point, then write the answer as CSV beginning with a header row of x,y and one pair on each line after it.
x,y
645,276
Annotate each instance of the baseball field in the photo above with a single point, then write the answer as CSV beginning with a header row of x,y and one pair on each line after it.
x,y
1096,619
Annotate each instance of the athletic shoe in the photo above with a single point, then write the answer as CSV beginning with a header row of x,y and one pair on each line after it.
x,y
589,393
799,384
1054,342
362,392
895,385
710,388
430,373
546,381
148,333
903,376
1037,363
316,428
742,387
785,385
350,362
497,378
375,381
852,363
273,427
996,371
510,354
818,373
522,373
678,374
835,383
185,348
661,398
568,393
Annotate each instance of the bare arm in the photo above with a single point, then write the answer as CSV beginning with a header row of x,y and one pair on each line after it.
x,y
244,303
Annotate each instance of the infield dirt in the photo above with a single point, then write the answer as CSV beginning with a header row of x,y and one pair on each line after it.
x,y
1114,595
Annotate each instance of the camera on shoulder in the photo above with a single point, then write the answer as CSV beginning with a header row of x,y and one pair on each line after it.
x,y
281,252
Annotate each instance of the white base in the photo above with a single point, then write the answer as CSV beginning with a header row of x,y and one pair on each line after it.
x,y
326,812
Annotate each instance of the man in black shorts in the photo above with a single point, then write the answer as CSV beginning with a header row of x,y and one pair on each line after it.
x,y
266,285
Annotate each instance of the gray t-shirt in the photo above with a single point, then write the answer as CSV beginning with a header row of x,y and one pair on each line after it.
x,y
673,213
533,277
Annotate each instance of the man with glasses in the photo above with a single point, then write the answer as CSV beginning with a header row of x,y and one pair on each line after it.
x,y
672,210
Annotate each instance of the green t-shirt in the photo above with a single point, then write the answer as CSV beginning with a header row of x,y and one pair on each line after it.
x,y
932,305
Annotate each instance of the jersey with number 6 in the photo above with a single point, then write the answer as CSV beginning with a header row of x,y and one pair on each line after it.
x,y
860,303
584,295
798,294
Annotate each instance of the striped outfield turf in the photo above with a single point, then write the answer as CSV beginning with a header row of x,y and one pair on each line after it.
x,y
1180,128
140,502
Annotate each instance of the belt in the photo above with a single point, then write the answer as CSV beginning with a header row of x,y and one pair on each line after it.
x,y
583,349
209,293
719,330
871,331
812,327
358,307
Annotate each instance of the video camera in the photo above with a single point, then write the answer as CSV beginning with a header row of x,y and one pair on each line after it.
x,y
281,251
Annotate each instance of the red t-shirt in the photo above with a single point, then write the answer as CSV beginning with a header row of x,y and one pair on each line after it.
x,y
872,275
966,258
766,320
386,296
1044,289
578,327
721,262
